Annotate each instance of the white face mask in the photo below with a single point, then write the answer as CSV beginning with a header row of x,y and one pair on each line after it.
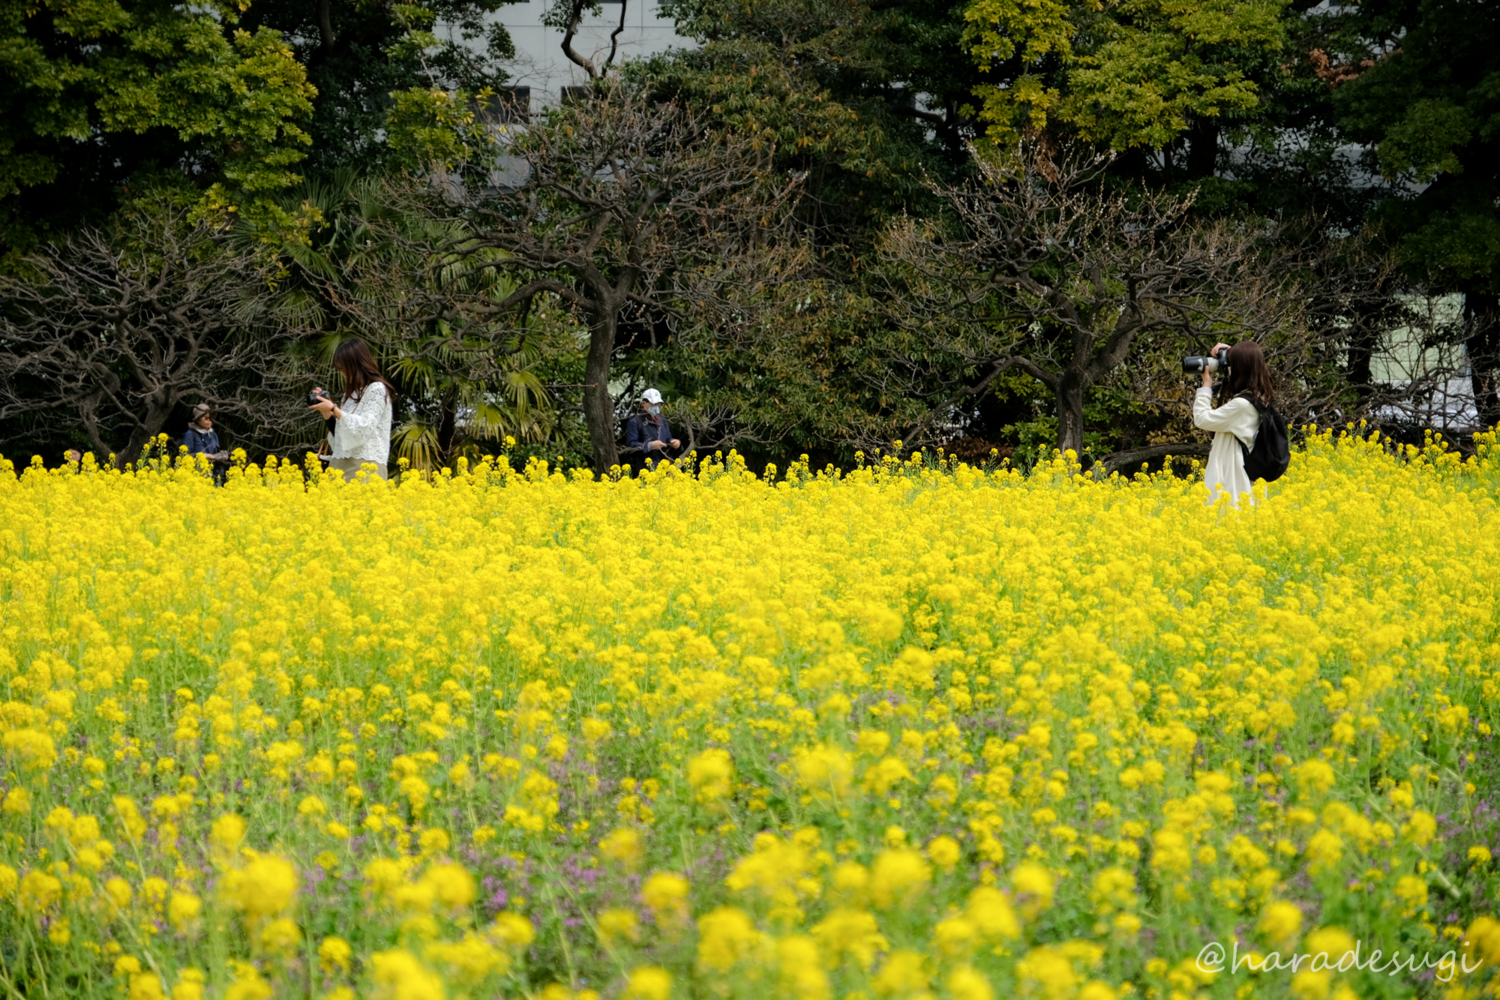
x,y
653,409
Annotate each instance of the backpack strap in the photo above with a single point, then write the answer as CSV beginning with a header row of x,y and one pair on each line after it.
x,y
1247,394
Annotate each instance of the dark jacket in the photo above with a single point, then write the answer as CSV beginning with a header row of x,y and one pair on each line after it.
x,y
640,431
199,442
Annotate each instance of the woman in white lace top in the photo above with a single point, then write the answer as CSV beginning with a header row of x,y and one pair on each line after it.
x,y
362,429
1235,421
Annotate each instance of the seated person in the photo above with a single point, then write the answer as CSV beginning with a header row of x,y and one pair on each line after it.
x,y
648,430
201,438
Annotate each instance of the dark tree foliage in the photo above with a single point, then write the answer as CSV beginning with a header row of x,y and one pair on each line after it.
x,y
357,54
863,97
1417,84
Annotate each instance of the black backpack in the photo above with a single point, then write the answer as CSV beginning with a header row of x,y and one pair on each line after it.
x,y
1272,451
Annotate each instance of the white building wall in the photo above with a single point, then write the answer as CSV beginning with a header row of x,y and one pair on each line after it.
x,y
540,63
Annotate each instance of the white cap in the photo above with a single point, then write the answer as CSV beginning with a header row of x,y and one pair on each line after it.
x,y
651,396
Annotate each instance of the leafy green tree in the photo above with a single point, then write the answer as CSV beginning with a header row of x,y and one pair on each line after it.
x,y
1124,74
364,57
1417,84
99,98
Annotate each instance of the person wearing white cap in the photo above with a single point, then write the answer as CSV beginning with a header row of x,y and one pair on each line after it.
x,y
648,430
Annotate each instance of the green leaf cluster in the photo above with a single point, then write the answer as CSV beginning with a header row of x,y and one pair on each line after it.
x,y
1123,73
97,93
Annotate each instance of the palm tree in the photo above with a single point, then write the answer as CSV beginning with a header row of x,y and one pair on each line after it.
x,y
369,271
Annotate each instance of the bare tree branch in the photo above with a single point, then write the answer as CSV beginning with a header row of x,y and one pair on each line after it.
x,y
1045,270
629,209
110,336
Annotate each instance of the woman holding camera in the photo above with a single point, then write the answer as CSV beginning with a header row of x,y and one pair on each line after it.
x,y
1247,390
362,420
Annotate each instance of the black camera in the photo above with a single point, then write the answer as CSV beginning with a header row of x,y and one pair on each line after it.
x,y
317,396
1218,362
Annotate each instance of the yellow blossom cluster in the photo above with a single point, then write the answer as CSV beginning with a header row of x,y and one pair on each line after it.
x,y
918,731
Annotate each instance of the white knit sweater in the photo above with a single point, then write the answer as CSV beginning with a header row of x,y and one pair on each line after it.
x,y
364,433
1237,420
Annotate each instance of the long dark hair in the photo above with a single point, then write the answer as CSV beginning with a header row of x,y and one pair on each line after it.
x,y
1248,374
357,370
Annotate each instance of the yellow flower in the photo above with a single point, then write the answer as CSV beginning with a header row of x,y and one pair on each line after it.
x,y
247,984
1412,891
452,885
264,887
182,908
944,852
334,954
666,894
1316,775
991,914
281,936
802,976
1334,942
726,935
189,985
649,982
38,891
617,925
825,770
33,750
954,935
118,892
896,876
469,960
1280,922
145,986
903,973
1034,887
1483,940
399,975
850,933
965,983
513,929
227,833
1051,969
711,775
623,845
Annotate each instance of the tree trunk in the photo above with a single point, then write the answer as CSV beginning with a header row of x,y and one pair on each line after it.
x,y
1203,148
598,407
448,428
1070,414
325,25
145,432
1482,326
1362,345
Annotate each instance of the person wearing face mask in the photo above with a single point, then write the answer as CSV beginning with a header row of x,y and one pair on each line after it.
x,y
648,430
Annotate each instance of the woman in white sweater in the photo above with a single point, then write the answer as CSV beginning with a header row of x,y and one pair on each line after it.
x,y
362,432
1246,391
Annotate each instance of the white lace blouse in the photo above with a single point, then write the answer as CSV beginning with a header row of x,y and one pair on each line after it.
x,y
364,433
1237,420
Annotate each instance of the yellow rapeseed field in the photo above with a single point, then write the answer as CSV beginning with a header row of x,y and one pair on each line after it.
x,y
915,731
